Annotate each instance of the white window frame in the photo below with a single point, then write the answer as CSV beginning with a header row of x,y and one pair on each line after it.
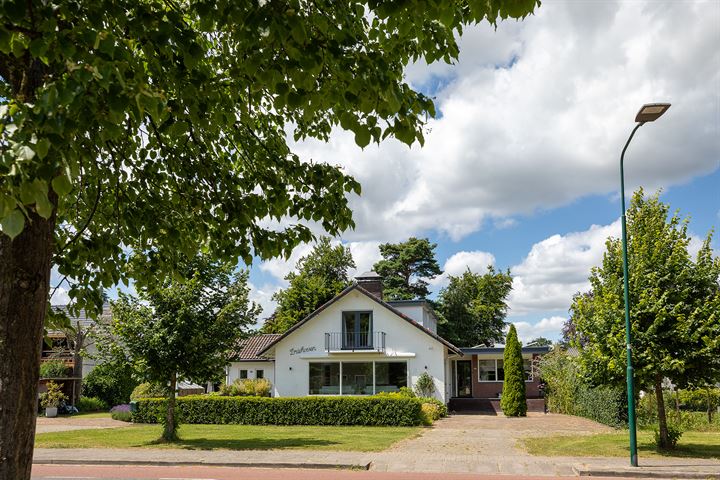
x,y
374,383
497,379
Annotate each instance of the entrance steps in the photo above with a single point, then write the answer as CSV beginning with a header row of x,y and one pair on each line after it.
x,y
490,405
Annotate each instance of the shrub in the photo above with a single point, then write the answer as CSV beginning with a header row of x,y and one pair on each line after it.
x,y
121,412
430,413
111,382
91,404
603,404
512,402
53,397
561,375
259,387
699,400
148,390
207,409
425,386
441,407
53,369
674,434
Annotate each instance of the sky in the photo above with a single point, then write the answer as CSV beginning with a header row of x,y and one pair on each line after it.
x,y
520,168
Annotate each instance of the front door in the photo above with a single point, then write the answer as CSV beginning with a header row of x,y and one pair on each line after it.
x,y
463,370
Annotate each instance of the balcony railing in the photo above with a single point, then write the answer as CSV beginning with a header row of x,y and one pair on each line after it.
x,y
355,342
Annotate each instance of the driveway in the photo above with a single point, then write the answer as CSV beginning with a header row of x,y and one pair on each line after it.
x,y
488,444
63,424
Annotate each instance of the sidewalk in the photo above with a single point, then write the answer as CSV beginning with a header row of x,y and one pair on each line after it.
x,y
386,461
225,458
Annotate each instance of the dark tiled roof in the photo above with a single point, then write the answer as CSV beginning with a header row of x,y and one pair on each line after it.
x,y
349,289
249,349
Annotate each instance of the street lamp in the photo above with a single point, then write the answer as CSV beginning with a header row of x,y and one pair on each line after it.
x,y
648,113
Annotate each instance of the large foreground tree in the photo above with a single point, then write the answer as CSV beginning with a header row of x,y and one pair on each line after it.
x,y
674,307
159,127
473,308
319,276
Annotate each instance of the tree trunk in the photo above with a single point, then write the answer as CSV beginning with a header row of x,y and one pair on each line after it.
x,y
24,283
170,430
662,418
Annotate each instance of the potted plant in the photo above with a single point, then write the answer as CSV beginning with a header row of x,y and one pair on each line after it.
x,y
51,399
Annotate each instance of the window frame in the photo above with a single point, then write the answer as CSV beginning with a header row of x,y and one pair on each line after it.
x,y
525,359
356,329
240,373
374,377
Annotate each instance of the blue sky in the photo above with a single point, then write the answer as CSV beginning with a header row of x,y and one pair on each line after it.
x,y
520,167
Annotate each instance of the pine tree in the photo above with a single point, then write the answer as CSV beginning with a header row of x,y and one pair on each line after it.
x,y
513,402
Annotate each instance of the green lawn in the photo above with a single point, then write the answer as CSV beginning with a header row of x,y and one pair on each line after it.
x,y
691,444
233,437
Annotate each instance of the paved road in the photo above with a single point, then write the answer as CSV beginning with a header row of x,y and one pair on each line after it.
x,y
90,472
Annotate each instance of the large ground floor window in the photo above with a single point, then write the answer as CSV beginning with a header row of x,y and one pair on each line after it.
x,y
356,378
493,371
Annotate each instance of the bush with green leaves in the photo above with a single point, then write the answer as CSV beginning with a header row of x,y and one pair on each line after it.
x,y
700,399
604,404
148,390
513,400
259,387
53,369
430,413
425,385
53,397
91,404
349,410
111,382
674,434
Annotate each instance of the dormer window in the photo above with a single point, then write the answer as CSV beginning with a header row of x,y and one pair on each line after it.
x,y
357,330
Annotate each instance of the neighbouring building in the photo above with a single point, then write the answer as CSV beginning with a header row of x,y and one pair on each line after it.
x,y
360,344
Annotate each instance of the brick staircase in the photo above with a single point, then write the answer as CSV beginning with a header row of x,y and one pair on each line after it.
x,y
490,405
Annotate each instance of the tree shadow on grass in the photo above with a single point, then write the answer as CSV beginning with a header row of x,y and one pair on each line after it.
x,y
245,443
687,449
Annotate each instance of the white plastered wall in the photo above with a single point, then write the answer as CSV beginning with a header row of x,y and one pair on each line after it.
x,y
252,368
403,342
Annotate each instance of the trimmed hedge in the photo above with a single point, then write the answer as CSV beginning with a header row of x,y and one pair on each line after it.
x,y
205,409
603,404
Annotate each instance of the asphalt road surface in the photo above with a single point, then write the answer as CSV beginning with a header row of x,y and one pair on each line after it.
x,y
125,472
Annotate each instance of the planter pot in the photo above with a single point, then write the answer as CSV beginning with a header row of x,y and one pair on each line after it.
x,y
51,412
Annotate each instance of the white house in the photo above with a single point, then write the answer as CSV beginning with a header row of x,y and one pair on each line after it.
x,y
355,344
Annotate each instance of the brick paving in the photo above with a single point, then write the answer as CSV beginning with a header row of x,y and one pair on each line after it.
x,y
475,444
63,424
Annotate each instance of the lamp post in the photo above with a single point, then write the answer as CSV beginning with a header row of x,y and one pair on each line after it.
x,y
648,113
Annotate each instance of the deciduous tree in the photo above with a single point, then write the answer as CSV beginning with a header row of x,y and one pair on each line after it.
x,y
406,268
183,329
674,305
473,307
319,277
160,128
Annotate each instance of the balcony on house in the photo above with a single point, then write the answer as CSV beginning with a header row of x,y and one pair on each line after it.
x,y
355,342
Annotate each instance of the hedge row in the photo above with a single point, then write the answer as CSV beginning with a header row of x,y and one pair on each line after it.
x,y
206,409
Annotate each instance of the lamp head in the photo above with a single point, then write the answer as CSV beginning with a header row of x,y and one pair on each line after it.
x,y
651,112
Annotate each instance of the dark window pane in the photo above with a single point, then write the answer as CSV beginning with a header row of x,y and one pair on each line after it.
x,y
243,373
260,374
486,371
324,379
357,378
390,376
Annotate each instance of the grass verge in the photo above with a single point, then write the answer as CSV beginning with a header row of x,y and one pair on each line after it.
x,y
233,437
691,444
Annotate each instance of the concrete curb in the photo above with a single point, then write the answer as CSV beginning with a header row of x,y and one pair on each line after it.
x,y
164,463
646,472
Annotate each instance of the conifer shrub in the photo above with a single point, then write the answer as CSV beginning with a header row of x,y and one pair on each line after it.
x,y
513,402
